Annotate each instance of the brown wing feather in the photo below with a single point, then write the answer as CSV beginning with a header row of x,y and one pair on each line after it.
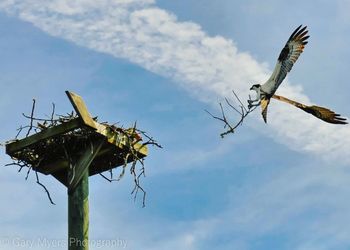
x,y
289,55
322,113
325,114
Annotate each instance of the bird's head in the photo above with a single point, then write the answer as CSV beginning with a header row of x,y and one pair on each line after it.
x,y
255,87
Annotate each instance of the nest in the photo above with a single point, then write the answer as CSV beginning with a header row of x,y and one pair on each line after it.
x,y
54,145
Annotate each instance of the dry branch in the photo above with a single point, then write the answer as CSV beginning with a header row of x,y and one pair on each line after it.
x,y
238,108
31,119
133,136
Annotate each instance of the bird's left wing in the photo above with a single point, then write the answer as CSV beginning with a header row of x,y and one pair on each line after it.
x,y
288,56
322,113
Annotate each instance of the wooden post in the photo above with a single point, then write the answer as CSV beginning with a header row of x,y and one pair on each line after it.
x,y
78,198
78,215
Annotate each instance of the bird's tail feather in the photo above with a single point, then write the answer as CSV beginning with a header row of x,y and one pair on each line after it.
x,y
264,104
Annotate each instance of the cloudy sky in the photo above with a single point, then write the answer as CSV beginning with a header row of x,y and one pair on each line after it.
x,y
283,185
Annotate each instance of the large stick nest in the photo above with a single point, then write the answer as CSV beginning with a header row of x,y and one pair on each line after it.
x,y
67,147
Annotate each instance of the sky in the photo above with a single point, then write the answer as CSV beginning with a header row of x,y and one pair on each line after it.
x,y
280,185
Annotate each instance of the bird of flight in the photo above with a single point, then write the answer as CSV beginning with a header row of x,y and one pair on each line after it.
x,y
288,56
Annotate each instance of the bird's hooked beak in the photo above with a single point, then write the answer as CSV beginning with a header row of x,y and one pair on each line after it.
x,y
251,88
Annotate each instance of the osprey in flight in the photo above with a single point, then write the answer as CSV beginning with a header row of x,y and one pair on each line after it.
x,y
288,56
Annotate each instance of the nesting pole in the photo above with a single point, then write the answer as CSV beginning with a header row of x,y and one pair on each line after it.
x,y
78,215
73,150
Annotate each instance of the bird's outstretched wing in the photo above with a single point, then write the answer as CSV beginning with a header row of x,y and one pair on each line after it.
x,y
288,56
322,113
264,103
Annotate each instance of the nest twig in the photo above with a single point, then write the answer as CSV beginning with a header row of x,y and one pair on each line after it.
x,y
133,136
239,108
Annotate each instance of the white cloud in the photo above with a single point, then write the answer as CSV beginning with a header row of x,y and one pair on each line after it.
x,y
150,37
207,66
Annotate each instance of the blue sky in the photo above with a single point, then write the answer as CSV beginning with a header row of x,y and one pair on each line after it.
x,y
283,185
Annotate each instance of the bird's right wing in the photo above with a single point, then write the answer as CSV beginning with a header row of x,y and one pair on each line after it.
x,y
288,56
322,113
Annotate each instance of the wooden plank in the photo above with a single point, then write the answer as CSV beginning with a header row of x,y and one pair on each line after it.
x,y
45,134
98,164
54,166
82,165
63,164
61,176
81,109
118,139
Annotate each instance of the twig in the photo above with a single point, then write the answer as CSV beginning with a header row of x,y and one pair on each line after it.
x,y
233,107
47,191
150,140
137,186
132,156
108,179
31,118
239,101
52,113
20,164
29,168
243,112
19,131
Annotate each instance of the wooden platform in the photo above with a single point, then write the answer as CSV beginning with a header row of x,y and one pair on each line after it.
x,y
99,146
